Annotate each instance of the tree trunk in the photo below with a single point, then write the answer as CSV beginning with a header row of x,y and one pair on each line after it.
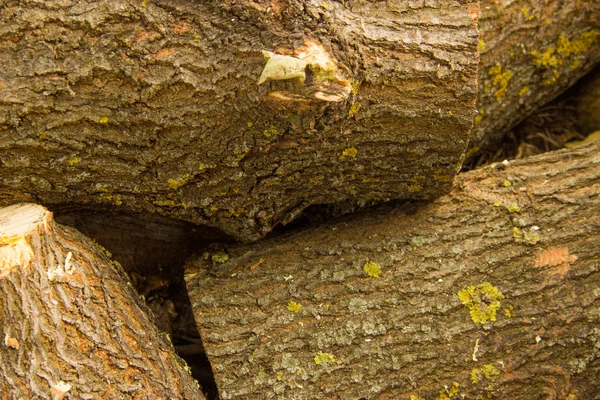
x,y
531,51
171,107
71,323
488,292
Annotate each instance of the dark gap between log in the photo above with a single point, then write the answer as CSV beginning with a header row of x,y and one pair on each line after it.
x,y
546,129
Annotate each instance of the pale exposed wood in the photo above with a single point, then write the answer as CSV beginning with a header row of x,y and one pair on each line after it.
x,y
305,316
71,324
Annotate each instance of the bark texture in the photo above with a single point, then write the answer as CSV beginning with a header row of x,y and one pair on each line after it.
x,y
155,106
531,51
72,326
488,292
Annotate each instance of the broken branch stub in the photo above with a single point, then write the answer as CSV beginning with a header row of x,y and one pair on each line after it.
x,y
155,106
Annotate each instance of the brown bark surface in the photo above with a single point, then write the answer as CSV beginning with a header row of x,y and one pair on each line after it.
x,y
72,326
155,106
488,292
531,51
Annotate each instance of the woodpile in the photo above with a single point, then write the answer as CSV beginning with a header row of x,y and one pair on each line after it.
x,y
191,138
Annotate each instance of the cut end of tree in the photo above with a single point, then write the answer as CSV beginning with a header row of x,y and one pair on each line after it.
x,y
71,323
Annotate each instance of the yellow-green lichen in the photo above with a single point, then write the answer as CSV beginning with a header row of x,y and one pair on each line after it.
x,y
547,59
414,188
508,311
506,183
500,80
271,131
241,154
73,160
42,135
552,79
481,46
414,397
324,358
530,235
220,257
527,14
482,300
175,184
578,45
103,120
487,372
354,108
202,166
348,152
236,212
513,208
524,91
107,197
294,307
372,269
554,56
355,86
575,64
448,393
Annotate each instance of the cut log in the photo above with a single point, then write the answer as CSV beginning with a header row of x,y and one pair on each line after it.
x,y
72,326
531,51
235,114
488,292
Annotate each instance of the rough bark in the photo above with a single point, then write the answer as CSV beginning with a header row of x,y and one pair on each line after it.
x,y
310,315
155,106
72,326
531,51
